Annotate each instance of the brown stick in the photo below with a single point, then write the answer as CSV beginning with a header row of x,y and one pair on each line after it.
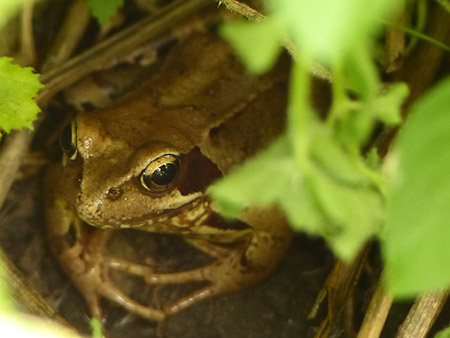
x,y
117,46
376,314
69,35
422,315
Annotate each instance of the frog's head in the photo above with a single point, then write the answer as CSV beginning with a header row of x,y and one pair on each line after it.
x,y
134,174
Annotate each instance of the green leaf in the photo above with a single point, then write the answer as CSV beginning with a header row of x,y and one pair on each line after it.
x,y
10,7
417,236
257,43
332,158
103,10
358,125
270,177
387,106
249,184
443,334
96,327
6,301
345,209
353,213
329,28
18,87
361,73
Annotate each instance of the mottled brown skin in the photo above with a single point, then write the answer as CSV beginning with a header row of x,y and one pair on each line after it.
x,y
203,107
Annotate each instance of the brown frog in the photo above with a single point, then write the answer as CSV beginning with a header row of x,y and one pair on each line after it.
x,y
146,163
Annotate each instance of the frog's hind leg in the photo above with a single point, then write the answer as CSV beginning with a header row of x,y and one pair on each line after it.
x,y
239,267
231,271
112,293
233,268
219,274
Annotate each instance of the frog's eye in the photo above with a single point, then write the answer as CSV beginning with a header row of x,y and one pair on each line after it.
x,y
161,173
68,140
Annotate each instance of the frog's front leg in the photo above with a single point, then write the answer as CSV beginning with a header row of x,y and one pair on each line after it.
x,y
80,252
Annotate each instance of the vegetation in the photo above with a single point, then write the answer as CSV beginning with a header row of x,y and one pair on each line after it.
x,y
318,171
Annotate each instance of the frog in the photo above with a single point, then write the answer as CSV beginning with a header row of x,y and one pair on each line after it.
x,y
146,162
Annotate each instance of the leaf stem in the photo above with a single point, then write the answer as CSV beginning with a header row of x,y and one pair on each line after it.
x,y
338,108
299,111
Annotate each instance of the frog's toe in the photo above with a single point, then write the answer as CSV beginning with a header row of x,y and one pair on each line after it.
x,y
189,300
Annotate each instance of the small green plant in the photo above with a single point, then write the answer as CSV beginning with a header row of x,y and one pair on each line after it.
x,y
103,10
317,172
326,186
18,87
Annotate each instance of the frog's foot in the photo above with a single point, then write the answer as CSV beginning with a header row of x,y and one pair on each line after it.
x,y
84,262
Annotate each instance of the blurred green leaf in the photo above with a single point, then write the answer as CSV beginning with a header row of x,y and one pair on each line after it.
x,y
330,28
353,213
10,7
257,43
345,208
357,126
104,10
387,106
361,73
27,326
18,87
317,174
373,159
96,327
416,241
260,181
6,301
443,334
330,156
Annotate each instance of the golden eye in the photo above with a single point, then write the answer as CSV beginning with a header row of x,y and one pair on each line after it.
x,y
68,140
161,173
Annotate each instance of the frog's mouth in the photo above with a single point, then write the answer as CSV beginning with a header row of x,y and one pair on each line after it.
x,y
169,220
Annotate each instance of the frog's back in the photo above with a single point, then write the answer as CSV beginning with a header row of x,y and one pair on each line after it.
x,y
203,97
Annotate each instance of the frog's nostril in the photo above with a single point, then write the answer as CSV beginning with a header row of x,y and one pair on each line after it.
x,y
113,193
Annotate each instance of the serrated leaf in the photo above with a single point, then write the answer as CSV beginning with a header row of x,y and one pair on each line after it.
x,y
353,213
387,106
18,87
331,157
416,241
246,185
345,213
257,43
104,10
358,126
270,177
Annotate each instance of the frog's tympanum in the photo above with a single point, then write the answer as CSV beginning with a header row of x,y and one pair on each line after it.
x,y
146,164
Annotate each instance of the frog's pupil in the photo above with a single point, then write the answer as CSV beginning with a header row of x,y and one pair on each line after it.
x,y
164,174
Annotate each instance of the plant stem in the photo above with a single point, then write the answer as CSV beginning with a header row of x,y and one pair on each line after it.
x,y
299,111
338,107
